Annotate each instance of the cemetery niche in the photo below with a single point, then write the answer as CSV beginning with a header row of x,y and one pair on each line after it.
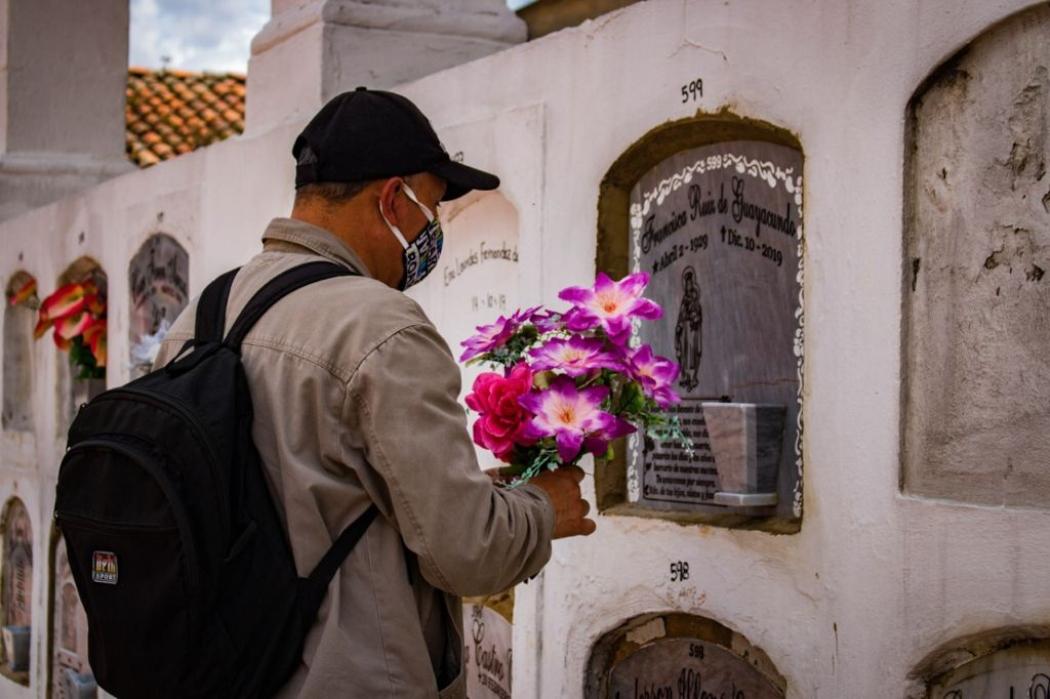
x,y
975,387
1009,662
79,377
19,318
158,280
477,277
16,591
679,656
712,211
70,672
488,632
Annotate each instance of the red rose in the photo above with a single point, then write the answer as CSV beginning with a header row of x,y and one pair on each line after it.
x,y
502,418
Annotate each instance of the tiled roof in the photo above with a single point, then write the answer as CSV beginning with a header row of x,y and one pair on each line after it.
x,y
171,112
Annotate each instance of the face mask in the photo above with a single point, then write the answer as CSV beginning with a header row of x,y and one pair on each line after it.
x,y
419,258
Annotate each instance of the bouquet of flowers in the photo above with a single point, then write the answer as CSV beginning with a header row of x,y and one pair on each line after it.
x,y
77,312
570,382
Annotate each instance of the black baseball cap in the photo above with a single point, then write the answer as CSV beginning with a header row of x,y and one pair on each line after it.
x,y
371,134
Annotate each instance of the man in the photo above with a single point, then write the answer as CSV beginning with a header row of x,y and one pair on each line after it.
x,y
355,402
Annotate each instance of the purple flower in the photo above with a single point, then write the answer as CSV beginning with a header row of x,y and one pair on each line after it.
x,y
490,337
610,305
572,416
575,356
525,315
494,336
546,322
656,375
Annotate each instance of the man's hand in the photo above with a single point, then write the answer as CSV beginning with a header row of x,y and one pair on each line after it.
x,y
570,509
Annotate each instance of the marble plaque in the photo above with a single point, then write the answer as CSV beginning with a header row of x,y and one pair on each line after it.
x,y
69,661
476,279
158,279
488,652
18,566
719,229
18,368
688,668
1020,671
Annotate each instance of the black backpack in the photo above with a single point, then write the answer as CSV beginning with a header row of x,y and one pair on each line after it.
x,y
178,553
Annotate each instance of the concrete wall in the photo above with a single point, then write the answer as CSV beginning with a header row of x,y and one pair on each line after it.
x,y
875,580
63,72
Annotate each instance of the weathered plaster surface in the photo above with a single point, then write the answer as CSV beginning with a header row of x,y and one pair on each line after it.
x,y
977,397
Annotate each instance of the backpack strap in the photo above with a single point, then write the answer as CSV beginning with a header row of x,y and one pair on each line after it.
x,y
314,588
275,290
211,309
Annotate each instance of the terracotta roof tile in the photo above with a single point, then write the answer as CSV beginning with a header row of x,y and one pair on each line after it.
x,y
170,112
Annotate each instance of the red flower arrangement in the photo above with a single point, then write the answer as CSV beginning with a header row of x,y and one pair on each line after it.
x,y
77,314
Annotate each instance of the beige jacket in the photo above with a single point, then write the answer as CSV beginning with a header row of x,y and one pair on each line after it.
x,y
355,398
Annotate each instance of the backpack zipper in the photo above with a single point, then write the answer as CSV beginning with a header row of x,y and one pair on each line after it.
x,y
182,520
166,403
92,523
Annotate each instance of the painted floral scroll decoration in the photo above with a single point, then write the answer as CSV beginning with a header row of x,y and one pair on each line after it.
x,y
76,315
570,382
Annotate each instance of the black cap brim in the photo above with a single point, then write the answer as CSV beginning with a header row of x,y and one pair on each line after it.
x,y
462,179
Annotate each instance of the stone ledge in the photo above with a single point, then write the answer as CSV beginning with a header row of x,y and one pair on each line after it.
x,y
501,27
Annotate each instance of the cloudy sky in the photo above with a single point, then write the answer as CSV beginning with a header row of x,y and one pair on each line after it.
x,y
195,34
200,34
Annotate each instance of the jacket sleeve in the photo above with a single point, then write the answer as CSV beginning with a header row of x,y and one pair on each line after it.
x,y
471,537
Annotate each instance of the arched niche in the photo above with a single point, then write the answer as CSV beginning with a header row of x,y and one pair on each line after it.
x,y
19,318
72,391
69,671
488,653
671,654
711,208
975,372
1005,662
158,281
477,278
16,591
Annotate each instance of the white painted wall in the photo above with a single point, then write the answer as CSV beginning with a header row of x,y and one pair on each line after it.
x,y
874,580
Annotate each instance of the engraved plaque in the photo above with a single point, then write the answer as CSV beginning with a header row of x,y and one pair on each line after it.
x,y
488,652
688,668
18,566
476,279
69,660
719,230
1020,671
159,282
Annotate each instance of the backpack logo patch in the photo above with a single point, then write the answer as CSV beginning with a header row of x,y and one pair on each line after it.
x,y
104,567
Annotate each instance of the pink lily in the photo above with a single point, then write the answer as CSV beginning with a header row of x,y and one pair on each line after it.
x,y
609,304
547,322
656,374
571,416
489,337
495,335
576,356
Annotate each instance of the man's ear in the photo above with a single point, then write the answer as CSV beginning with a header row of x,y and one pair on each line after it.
x,y
388,197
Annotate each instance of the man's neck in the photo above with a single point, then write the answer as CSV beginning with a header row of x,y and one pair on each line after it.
x,y
357,239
